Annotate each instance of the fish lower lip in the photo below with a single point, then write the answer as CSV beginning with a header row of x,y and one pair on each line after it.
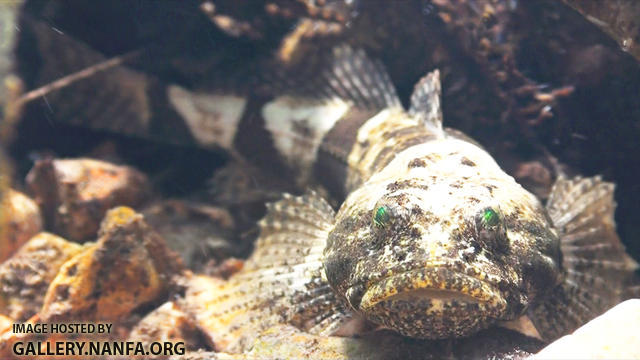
x,y
432,283
433,294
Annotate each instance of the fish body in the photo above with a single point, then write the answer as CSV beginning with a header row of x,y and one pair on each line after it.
x,y
459,237
432,240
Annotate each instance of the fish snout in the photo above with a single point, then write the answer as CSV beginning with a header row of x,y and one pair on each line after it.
x,y
433,303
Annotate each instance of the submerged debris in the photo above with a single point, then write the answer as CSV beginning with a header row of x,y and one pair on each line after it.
x,y
198,232
74,194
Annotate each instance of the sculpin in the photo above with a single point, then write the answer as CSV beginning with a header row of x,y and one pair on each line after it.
x,y
433,239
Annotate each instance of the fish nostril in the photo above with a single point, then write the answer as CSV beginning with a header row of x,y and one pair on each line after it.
x,y
469,255
400,255
378,240
354,295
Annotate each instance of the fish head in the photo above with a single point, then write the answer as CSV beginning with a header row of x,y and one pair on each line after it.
x,y
440,256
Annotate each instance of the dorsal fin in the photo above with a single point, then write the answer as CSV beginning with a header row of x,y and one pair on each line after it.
x,y
425,101
365,82
597,267
345,74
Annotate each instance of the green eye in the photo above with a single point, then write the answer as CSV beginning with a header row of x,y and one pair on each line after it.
x,y
381,218
491,231
490,218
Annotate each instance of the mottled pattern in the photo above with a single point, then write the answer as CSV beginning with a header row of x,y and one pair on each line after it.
x,y
379,140
433,240
433,258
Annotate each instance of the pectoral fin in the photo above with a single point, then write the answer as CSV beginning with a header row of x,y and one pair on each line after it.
x,y
283,281
597,267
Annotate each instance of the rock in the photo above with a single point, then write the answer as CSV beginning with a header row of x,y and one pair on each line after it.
x,y
129,266
199,304
74,194
168,324
243,189
205,355
198,232
25,277
612,335
289,342
20,221
618,19
5,323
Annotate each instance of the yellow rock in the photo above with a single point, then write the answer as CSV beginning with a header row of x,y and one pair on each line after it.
x,y
129,266
25,277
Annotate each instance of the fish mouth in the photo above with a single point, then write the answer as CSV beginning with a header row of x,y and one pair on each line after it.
x,y
433,303
439,285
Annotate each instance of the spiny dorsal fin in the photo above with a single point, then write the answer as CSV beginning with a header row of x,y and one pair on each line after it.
x,y
355,77
425,101
597,267
345,74
283,281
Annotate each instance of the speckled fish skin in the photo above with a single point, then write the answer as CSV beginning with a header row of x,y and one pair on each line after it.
x,y
425,272
433,239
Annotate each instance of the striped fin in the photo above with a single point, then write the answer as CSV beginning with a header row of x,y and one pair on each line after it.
x,y
582,210
355,77
119,99
597,267
346,74
425,101
283,281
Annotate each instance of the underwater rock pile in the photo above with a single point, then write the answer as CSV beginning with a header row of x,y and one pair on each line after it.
x,y
114,210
